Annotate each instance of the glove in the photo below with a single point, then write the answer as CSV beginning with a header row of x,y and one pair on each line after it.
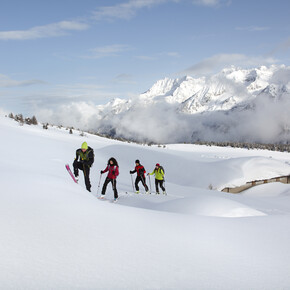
x,y
102,171
113,172
131,172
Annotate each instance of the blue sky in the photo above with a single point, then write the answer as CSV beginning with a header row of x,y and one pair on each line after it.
x,y
58,52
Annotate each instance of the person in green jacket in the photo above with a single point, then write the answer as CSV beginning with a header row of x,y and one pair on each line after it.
x,y
159,178
84,161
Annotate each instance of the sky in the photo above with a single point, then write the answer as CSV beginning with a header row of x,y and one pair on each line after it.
x,y
58,52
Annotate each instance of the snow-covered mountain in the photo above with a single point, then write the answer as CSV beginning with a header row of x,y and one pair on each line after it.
x,y
223,91
244,105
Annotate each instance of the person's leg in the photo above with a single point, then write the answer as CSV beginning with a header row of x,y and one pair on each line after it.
x,y
107,180
77,165
161,185
138,179
156,186
86,171
144,183
114,185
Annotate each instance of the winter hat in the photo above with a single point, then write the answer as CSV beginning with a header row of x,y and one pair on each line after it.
x,y
85,146
137,161
157,164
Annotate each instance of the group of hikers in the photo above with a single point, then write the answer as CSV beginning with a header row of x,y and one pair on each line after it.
x,y
85,158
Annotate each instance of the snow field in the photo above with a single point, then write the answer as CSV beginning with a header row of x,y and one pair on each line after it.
x,y
56,235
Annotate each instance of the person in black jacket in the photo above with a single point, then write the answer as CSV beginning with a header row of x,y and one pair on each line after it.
x,y
140,176
84,161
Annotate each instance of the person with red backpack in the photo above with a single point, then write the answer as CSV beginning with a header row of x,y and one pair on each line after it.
x,y
140,176
113,171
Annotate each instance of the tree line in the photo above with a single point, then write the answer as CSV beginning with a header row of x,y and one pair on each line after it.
x,y
20,119
250,146
271,147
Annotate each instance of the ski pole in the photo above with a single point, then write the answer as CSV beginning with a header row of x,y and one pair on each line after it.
x,y
164,186
99,183
150,183
132,182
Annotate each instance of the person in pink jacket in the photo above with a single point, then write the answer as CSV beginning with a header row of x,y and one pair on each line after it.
x,y
113,171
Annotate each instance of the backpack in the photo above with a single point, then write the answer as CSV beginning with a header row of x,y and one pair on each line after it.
x,y
142,170
161,167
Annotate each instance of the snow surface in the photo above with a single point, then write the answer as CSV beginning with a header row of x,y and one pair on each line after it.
x,y
57,235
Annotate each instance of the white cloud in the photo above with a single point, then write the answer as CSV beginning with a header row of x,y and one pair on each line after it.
x,y
219,61
49,30
123,79
253,28
6,82
211,3
146,57
108,51
125,10
76,114
158,55
172,54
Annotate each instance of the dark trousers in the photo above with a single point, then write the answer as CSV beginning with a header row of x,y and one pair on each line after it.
x,y
86,169
114,186
142,179
160,183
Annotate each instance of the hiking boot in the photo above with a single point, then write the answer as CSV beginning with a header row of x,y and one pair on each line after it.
x,y
137,191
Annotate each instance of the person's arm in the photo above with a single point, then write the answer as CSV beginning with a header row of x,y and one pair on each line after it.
x,y
91,158
77,155
152,172
106,169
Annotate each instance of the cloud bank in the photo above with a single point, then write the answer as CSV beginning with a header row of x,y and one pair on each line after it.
x,y
6,82
217,62
259,111
49,30
125,10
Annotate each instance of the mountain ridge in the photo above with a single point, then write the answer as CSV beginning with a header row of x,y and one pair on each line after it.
x,y
205,108
234,105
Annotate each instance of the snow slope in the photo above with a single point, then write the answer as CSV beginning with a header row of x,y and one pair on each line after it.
x,y
56,235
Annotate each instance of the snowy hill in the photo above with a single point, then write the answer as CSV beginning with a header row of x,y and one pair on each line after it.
x,y
57,235
234,105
